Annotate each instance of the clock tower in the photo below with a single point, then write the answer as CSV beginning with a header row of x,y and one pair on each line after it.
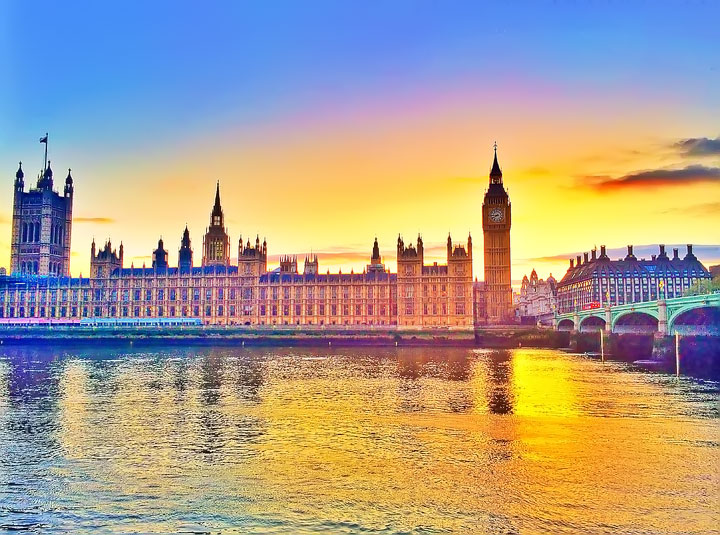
x,y
496,236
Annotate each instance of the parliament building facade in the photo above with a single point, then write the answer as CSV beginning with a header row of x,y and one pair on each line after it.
x,y
219,291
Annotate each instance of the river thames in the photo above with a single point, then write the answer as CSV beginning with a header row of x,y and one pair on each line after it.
x,y
282,440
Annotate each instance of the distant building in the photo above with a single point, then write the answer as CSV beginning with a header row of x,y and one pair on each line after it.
x,y
496,221
715,271
41,226
185,253
594,281
106,261
218,293
160,257
216,244
434,295
3,271
375,265
536,299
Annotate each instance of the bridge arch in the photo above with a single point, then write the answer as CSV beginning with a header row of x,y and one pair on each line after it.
x,y
636,321
698,318
592,323
566,324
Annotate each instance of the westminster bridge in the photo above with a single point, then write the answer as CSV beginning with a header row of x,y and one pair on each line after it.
x,y
690,315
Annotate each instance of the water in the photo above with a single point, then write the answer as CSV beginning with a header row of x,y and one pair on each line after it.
x,y
352,441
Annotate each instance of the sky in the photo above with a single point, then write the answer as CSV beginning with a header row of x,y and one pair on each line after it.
x,y
331,123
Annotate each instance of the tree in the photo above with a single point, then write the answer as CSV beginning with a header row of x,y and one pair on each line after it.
x,y
704,286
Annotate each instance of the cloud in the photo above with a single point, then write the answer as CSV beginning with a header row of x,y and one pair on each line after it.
x,y
537,171
101,220
699,146
706,208
655,177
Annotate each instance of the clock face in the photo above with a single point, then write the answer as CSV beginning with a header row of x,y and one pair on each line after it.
x,y
496,215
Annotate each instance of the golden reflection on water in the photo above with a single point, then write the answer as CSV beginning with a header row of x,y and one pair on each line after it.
x,y
389,441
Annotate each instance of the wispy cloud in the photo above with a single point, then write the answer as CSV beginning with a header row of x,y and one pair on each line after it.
x,y
537,171
699,146
654,178
706,208
100,220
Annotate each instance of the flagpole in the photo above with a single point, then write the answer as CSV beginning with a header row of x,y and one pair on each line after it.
x,y
46,144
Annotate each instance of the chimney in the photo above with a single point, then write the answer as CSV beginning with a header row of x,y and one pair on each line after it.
x,y
594,254
578,260
572,263
602,250
689,248
630,250
585,255
653,257
662,250
676,256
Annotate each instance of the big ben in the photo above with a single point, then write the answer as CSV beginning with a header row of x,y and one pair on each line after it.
x,y
496,216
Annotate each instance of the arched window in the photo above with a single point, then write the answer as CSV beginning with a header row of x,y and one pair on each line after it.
x,y
35,267
23,233
22,267
37,231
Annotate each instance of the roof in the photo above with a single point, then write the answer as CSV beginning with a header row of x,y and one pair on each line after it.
x,y
631,267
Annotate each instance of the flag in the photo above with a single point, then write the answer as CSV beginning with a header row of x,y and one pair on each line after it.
x,y
44,139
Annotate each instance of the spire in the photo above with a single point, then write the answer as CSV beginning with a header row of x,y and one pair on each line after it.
x,y
20,175
68,179
495,172
217,209
375,258
216,218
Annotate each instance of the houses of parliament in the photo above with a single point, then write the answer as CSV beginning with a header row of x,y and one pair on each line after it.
x,y
213,290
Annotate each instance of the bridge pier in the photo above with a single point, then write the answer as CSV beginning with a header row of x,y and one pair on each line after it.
x,y
662,317
608,319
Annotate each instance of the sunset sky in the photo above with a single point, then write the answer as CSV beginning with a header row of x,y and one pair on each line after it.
x,y
330,123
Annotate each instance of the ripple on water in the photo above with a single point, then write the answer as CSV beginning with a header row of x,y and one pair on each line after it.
x,y
377,441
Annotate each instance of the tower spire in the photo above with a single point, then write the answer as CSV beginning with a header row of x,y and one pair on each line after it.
x,y
217,209
495,172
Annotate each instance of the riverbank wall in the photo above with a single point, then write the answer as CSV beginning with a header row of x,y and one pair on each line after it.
x,y
495,337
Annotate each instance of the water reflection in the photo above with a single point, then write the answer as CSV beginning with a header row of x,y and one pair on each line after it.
x,y
347,441
499,392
